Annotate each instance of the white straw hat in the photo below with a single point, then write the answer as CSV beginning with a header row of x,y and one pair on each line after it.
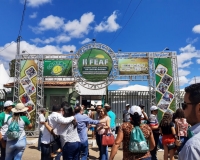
x,y
20,107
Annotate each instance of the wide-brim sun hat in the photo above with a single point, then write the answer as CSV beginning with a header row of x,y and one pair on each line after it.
x,y
135,109
8,103
20,107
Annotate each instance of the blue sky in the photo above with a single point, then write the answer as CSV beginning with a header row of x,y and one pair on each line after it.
x,y
58,26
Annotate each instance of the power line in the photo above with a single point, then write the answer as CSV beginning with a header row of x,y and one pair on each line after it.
x,y
6,47
123,18
22,20
127,21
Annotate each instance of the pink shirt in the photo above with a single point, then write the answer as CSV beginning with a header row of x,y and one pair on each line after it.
x,y
182,126
103,130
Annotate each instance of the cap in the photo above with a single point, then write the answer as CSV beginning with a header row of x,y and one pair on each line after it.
x,y
106,104
153,108
127,105
135,109
8,103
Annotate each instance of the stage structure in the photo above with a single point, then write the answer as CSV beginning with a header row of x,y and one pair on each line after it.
x,y
95,66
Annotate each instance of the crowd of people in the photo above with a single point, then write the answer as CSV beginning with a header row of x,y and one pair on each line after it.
x,y
178,133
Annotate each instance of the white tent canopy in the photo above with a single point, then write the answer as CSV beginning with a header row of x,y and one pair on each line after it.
x,y
5,78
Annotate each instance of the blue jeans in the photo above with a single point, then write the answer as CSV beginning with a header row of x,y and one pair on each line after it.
x,y
71,151
15,149
84,150
183,141
39,140
103,149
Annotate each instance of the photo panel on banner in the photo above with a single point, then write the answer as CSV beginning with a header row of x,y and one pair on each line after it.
x,y
164,86
28,85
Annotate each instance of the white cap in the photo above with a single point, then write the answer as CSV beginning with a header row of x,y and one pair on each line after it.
x,y
127,105
153,108
8,103
135,109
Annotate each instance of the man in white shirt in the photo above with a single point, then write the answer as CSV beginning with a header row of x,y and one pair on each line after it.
x,y
54,119
126,115
41,125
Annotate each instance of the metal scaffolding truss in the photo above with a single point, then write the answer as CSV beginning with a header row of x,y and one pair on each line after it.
x,y
114,76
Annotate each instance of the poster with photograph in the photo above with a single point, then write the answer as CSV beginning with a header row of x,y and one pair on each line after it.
x,y
164,86
28,84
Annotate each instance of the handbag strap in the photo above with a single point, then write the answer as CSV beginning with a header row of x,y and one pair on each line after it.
x,y
178,130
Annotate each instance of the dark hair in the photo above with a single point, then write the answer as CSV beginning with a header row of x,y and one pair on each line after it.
x,y
194,92
42,110
179,113
166,120
56,108
77,109
135,119
68,112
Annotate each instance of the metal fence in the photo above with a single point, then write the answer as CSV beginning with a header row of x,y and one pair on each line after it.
x,y
119,99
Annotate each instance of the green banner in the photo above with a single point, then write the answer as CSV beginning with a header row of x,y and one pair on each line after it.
x,y
164,86
95,65
28,87
57,68
133,66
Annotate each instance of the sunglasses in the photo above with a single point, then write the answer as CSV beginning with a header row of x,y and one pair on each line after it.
x,y
184,105
101,111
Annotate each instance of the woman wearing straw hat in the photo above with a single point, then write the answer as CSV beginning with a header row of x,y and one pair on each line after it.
x,y
16,147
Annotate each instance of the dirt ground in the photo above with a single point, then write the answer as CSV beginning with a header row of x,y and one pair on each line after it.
x,y
31,152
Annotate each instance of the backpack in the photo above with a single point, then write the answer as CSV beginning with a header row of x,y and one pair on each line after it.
x,y
138,143
13,131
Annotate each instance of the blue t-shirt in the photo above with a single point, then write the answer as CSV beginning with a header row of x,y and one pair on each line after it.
x,y
112,116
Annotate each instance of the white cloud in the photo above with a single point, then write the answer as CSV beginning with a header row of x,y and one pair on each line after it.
x,y
183,80
49,23
195,80
191,41
182,72
198,61
120,83
10,52
196,29
59,39
33,15
36,3
68,48
85,41
109,25
185,57
80,28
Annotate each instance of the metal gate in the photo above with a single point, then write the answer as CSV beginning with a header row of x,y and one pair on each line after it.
x,y
119,99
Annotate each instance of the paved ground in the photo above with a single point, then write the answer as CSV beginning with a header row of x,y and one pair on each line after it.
x,y
31,152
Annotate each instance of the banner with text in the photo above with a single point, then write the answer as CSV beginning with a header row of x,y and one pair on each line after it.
x,y
95,65
28,85
133,66
57,68
164,86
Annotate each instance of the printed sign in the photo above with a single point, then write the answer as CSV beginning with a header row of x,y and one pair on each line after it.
x,y
28,83
57,68
164,86
133,66
95,65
